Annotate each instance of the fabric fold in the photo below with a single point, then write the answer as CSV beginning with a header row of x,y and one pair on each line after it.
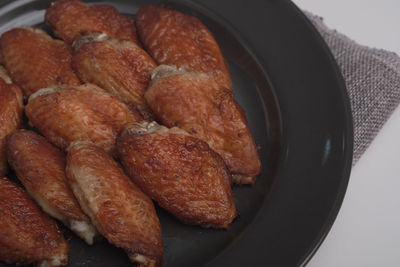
x,y
372,78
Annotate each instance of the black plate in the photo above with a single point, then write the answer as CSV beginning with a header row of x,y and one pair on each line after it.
x,y
295,99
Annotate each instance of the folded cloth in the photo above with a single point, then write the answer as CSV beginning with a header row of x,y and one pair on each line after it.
x,y
372,79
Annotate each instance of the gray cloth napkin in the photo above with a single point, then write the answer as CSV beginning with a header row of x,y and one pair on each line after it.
x,y
372,78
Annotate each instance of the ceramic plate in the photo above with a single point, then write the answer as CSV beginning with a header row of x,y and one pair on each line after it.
x,y
289,85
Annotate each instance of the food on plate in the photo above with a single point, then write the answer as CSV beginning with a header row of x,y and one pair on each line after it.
x,y
119,66
195,103
174,38
65,114
180,172
27,235
41,168
70,19
11,108
120,211
34,60
93,99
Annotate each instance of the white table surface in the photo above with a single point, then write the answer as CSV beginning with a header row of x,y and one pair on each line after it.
x,y
367,229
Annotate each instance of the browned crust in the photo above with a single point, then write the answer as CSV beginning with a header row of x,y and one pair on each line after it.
x,y
120,211
41,168
181,173
34,60
26,234
71,19
11,109
195,103
121,67
79,113
174,38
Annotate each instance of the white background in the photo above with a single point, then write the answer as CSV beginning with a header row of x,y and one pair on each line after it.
x,y
367,229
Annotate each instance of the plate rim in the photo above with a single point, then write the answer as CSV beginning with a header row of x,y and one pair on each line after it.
x,y
350,142
349,139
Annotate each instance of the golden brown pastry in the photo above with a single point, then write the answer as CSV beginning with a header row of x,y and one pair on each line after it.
x,y
180,172
27,235
119,66
70,19
116,206
195,103
65,114
34,60
174,38
41,168
11,108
